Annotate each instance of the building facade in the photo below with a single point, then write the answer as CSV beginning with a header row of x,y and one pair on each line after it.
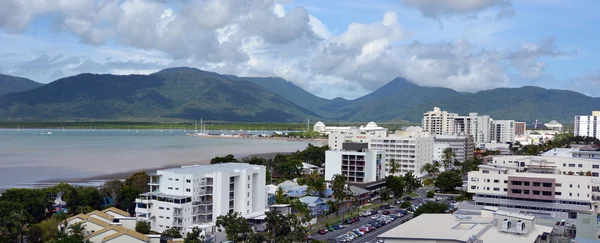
x,y
503,131
535,184
197,195
588,126
462,146
357,163
354,135
520,128
475,125
410,149
438,122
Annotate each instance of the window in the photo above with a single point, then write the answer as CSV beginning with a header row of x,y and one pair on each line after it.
x,y
473,187
517,191
485,171
176,179
557,185
526,192
526,183
595,174
546,184
188,190
160,217
188,181
578,186
170,188
168,227
580,165
505,181
571,185
170,179
496,181
570,194
168,208
505,189
547,193
247,203
564,165
168,218
595,166
248,194
177,188
496,189
248,177
248,186
536,184
571,165
536,192
517,183
557,193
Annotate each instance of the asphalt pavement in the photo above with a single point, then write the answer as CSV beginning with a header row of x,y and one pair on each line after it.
x,y
368,237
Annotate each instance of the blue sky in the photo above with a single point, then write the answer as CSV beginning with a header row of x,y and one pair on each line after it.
x,y
331,48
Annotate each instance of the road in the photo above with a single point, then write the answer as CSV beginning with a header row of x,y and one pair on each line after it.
x,y
369,237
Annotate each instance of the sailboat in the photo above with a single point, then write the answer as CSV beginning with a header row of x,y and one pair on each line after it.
x,y
63,128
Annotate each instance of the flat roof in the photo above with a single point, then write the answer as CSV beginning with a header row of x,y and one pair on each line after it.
x,y
446,227
164,195
203,169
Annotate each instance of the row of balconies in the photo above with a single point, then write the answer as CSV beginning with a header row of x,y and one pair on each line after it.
x,y
205,202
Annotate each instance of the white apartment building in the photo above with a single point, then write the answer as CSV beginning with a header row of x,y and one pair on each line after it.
x,y
356,162
438,122
535,184
475,125
411,149
503,131
369,128
588,126
197,195
355,135
462,146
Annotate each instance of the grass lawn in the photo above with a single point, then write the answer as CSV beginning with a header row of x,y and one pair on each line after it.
x,y
413,194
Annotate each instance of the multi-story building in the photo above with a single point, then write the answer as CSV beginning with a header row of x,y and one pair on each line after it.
x,y
369,128
410,149
588,126
355,135
554,126
196,195
582,152
438,122
462,146
356,162
534,184
503,131
520,128
475,125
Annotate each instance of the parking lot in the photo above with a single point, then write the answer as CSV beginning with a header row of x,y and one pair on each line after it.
x,y
368,237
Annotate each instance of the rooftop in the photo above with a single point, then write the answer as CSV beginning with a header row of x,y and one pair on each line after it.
x,y
449,227
207,169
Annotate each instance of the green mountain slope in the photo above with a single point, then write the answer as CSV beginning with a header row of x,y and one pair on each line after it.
x,y
182,93
11,84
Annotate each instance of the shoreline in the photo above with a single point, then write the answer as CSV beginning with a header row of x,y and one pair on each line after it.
x,y
123,175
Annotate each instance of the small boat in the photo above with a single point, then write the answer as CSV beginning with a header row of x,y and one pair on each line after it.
x,y
49,133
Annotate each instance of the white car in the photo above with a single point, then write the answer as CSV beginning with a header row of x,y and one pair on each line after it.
x,y
374,217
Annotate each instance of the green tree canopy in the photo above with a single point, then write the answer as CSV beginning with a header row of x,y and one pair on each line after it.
x,y
236,227
448,181
142,227
431,207
396,185
284,228
172,232
393,166
225,159
448,157
411,182
139,181
430,194
36,202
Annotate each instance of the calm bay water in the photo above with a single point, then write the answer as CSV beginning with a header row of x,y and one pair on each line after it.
x,y
31,155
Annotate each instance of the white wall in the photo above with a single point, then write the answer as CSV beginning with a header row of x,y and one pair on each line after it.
x,y
100,237
124,239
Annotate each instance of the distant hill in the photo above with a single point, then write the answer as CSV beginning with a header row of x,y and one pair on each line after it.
x,y
191,94
182,93
11,84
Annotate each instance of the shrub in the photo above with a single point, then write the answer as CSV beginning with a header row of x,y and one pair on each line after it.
x,y
430,194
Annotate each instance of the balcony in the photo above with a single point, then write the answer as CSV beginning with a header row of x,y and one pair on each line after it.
x,y
143,200
203,211
205,202
177,223
142,210
177,214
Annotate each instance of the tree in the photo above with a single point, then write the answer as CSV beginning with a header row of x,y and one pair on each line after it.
x,y
448,181
284,228
194,236
10,223
280,197
411,182
396,185
236,227
340,190
127,198
112,189
226,159
431,207
83,209
430,194
48,228
448,157
35,234
172,232
430,169
255,161
77,228
470,165
91,197
405,204
393,166
290,168
139,181
142,227
315,183
36,202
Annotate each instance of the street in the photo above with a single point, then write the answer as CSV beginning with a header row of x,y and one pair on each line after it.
x,y
368,237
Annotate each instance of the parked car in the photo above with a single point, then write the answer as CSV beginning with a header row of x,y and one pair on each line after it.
x,y
322,232
341,226
386,212
336,227
358,232
331,228
374,217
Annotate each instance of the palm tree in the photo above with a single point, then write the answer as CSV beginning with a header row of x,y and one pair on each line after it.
x,y
431,169
447,157
393,166
77,228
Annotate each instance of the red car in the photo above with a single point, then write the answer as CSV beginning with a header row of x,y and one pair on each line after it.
x,y
386,212
322,231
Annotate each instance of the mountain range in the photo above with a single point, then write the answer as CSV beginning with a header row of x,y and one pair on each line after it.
x,y
191,94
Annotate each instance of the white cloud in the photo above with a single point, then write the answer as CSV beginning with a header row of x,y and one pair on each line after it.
x,y
588,83
436,9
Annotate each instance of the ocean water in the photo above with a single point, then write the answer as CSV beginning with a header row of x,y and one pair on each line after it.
x,y
29,156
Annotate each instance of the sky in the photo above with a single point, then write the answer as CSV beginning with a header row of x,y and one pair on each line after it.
x,y
332,48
